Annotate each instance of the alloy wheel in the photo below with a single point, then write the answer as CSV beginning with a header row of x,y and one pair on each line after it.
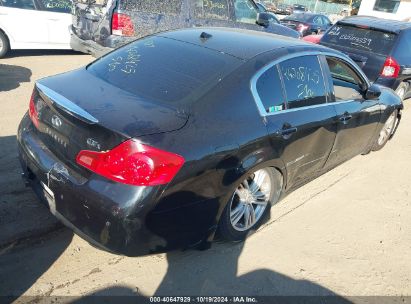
x,y
250,200
387,130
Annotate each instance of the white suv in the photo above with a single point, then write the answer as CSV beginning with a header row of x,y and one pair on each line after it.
x,y
34,24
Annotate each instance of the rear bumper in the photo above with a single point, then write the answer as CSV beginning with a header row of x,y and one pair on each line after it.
x,y
95,49
87,46
109,215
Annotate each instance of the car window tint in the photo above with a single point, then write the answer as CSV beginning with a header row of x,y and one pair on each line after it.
x,y
59,6
362,39
326,21
245,11
403,48
346,82
164,70
299,17
303,81
170,7
387,6
24,4
318,20
269,88
211,9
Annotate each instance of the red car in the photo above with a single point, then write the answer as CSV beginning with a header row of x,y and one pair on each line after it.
x,y
313,38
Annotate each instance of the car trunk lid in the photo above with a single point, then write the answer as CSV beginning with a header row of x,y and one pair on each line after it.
x,y
95,116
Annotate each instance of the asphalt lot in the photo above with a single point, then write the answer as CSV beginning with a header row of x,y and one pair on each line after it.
x,y
346,233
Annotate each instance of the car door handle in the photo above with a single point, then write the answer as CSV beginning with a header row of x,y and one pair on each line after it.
x,y
53,19
345,118
285,132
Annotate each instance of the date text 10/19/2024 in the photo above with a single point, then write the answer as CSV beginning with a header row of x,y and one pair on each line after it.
x,y
205,299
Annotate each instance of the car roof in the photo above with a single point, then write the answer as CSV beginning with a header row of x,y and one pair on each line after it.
x,y
243,44
307,14
389,25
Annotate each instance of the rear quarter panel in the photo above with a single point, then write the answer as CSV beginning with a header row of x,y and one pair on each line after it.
x,y
224,139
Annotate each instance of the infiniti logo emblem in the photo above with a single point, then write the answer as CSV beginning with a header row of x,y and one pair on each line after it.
x,y
56,121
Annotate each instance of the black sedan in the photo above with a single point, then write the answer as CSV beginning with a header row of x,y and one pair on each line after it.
x,y
177,138
307,23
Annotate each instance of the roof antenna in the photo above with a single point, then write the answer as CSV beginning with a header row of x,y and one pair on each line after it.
x,y
205,36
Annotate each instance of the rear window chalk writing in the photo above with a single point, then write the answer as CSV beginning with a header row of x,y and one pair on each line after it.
x,y
127,64
355,39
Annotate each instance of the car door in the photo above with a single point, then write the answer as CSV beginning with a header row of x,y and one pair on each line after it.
x,y
58,16
357,117
292,98
24,23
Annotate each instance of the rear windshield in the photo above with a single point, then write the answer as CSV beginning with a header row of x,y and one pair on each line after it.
x,y
362,39
299,17
163,69
170,7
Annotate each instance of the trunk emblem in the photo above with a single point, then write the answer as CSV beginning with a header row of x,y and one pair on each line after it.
x,y
56,121
93,143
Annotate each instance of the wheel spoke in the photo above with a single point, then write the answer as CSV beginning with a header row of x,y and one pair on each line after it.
x,y
259,195
260,202
260,176
251,217
237,213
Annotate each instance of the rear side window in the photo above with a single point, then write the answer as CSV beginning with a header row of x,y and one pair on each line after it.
x,y
164,70
211,9
403,49
303,81
169,7
245,11
59,6
269,88
362,39
387,6
24,4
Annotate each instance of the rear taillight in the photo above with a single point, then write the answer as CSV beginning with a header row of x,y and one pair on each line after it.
x,y
391,68
122,25
33,113
133,163
302,27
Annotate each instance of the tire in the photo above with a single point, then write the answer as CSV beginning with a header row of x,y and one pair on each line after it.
x,y
402,89
263,187
4,44
386,132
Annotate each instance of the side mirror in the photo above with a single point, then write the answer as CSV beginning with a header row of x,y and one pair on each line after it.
x,y
263,19
373,92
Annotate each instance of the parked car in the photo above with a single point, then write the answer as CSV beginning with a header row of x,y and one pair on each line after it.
x,y
298,8
181,135
314,38
307,23
98,29
283,9
380,47
263,9
34,24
